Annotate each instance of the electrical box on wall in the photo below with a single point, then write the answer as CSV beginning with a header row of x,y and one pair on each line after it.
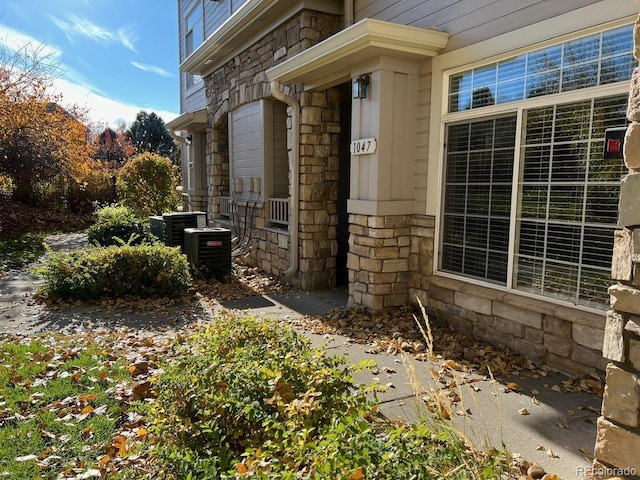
x,y
614,142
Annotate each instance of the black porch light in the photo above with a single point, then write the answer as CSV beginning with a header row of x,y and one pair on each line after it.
x,y
360,86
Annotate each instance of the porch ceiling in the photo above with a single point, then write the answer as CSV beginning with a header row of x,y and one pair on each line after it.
x,y
187,121
329,62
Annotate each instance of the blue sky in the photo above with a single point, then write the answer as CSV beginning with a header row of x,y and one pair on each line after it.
x,y
118,56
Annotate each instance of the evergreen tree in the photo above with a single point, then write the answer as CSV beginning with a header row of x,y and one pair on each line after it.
x,y
149,134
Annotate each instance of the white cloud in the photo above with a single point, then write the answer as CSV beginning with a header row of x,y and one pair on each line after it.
x,y
127,38
75,90
103,109
152,69
16,41
85,28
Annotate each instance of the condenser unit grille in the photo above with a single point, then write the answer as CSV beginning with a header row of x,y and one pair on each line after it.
x,y
175,223
209,250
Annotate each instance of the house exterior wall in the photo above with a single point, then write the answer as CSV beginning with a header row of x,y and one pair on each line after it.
x,y
241,83
618,437
396,204
549,331
545,330
468,22
191,99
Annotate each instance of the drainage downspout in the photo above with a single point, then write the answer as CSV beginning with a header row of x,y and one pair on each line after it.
x,y
294,168
348,13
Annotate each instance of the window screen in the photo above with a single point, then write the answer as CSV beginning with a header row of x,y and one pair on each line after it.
x,y
568,204
477,199
598,59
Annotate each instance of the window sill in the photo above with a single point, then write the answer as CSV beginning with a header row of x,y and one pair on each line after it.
x,y
281,231
499,293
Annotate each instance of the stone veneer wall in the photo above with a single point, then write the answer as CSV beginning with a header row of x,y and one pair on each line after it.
x,y
319,143
564,338
196,203
617,449
243,80
378,260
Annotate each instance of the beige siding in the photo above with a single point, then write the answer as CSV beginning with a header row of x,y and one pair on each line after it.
x,y
214,14
422,143
466,21
247,143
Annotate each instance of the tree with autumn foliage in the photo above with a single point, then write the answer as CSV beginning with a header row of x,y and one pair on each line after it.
x,y
113,147
43,146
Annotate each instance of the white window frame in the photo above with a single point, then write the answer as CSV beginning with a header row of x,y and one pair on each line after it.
x,y
574,25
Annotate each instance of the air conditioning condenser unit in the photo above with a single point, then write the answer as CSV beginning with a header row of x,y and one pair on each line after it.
x,y
209,250
176,222
156,225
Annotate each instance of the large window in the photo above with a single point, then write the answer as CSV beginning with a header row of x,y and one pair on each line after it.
x,y
599,59
529,201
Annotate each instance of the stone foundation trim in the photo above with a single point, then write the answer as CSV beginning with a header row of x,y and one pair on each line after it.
x,y
567,339
617,447
621,401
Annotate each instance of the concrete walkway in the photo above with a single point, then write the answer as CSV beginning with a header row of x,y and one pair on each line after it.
x,y
554,434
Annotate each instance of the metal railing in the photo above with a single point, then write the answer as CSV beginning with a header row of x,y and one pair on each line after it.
x,y
225,206
278,211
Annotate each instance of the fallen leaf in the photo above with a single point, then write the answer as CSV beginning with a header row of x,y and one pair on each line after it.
x,y
87,410
141,390
104,461
585,451
523,411
552,454
357,475
540,447
453,365
556,388
26,458
512,387
87,398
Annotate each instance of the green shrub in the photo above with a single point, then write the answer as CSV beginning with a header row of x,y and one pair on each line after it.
x,y
253,398
117,225
116,272
147,184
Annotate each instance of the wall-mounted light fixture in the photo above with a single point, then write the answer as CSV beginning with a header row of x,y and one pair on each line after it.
x,y
360,86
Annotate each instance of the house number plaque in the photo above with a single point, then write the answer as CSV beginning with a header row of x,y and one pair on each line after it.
x,y
363,146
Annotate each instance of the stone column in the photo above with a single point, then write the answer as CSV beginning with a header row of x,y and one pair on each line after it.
x,y
319,141
617,449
